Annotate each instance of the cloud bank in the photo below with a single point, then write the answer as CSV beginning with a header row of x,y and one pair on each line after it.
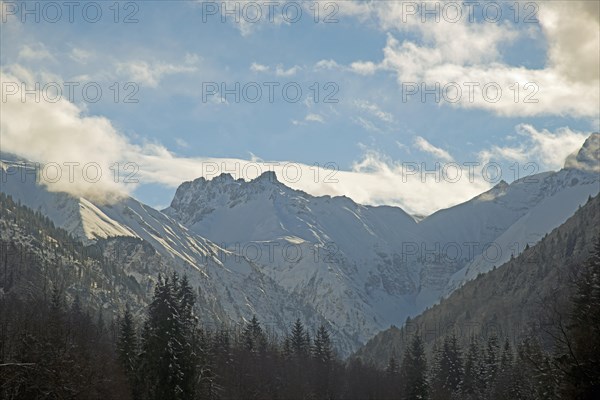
x,y
86,148
462,54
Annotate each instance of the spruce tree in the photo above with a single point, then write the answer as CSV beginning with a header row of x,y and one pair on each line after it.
x,y
298,343
472,378
448,370
392,367
322,353
253,337
491,364
506,383
414,371
162,346
191,346
322,349
127,347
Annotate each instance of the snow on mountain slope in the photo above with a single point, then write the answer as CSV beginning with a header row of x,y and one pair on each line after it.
x,y
342,257
491,227
230,288
381,263
482,219
78,216
265,208
559,195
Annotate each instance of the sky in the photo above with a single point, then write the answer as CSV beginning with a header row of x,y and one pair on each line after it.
x,y
411,104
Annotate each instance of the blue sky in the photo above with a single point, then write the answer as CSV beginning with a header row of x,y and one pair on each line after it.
x,y
175,48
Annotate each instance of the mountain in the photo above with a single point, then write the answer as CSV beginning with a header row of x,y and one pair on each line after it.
x,y
586,159
230,288
510,301
529,208
260,247
340,256
36,256
378,264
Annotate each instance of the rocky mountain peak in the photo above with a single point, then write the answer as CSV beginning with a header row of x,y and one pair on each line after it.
x,y
588,157
267,176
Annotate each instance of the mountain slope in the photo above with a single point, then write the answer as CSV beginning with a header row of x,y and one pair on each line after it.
x,y
374,266
35,256
554,197
230,287
338,255
505,301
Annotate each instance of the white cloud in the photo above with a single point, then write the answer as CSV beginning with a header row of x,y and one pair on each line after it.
x,y
182,143
423,145
542,147
376,179
281,71
150,74
81,56
362,10
568,85
573,49
364,67
327,64
35,52
310,117
255,67
366,124
250,19
375,110
192,58
402,146
62,133
541,92
314,118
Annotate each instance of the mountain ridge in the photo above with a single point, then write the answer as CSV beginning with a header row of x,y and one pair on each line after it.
x,y
260,247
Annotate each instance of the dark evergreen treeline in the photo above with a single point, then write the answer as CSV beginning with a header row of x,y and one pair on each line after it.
x,y
49,350
172,357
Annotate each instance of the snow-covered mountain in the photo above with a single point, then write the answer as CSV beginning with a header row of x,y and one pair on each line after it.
x,y
260,247
230,287
382,265
342,257
529,208
509,301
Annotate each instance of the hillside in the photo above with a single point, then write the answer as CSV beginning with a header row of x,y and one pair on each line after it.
x,y
506,301
36,257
